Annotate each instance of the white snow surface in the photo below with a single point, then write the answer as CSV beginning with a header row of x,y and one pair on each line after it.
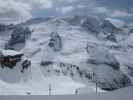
x,y
10,53
75,41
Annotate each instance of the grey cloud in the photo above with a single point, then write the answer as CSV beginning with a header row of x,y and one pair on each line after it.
x,y
20,10
116,4
12,12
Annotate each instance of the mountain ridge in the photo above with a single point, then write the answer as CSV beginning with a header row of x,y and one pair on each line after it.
x,y
85,49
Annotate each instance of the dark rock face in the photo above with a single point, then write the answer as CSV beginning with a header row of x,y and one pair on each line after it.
x,y
46,63
91,25
99,55
114,65
106,69
110,79
2,27
18,38
130,69
55,42
36,20
25,64
6,27
111,37
9,59
110,31
67,69
106,77
131,31
108,27
75,20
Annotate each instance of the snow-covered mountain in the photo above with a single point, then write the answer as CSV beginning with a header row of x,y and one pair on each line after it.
x,y
67,54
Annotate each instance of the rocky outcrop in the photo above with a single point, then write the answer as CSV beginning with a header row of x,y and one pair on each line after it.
x,y
46,63
4,27
111,37
25,64
100,55
109,79
74,20
103,75
91,25
55,42
106,69
131,31
108,27
110,32
129,69
18,38
10,58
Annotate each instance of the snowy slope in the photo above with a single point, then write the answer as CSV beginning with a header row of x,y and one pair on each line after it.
x,y
60,56
122,94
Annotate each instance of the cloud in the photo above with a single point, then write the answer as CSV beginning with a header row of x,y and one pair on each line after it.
x,y
115,4
121,13
46,3
38,3
101,10
81,6
20,10
13,12
69,1
65,10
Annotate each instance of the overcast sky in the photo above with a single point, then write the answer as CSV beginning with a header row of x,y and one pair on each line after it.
x,y
21,10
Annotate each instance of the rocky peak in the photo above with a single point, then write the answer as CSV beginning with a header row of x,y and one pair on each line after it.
x,y
91,24
108,27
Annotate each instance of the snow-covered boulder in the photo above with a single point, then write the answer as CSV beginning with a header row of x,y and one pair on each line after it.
x,y
10,58
14,67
